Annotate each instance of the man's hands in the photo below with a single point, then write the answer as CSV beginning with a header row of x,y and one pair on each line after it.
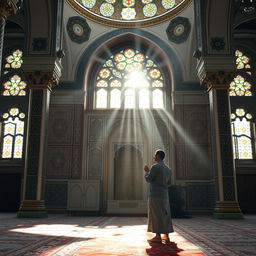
x,y
146,168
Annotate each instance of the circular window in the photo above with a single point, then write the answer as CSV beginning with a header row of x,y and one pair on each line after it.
x,y
128,13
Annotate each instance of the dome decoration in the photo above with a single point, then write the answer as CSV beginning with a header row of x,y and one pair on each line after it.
x,y
78,29
178,30
128,13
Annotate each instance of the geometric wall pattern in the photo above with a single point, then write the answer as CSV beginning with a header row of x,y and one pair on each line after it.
x,y
64,152
193,151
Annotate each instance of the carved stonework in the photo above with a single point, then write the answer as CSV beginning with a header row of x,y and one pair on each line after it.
x,y
41,79
217,79
7,8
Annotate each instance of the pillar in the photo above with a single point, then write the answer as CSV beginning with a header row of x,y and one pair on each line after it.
x,y
40,83
227,206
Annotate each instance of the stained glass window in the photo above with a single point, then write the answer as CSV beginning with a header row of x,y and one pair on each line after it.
x,y
14,60
241,131
13,85
240,87
129,12
133,76
242,61
13,134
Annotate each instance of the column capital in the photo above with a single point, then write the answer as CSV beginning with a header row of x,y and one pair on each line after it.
x,y
41,79
217,79
42,72
216,71
7,8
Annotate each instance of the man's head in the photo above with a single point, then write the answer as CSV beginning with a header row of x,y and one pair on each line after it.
x,y
159,155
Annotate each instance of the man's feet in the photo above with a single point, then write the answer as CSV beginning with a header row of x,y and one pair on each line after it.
x,y
166,238
155,239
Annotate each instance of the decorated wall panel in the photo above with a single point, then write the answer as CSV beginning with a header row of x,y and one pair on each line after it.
x,y
61,124
95,159
64,152
59,161
192,142
96,129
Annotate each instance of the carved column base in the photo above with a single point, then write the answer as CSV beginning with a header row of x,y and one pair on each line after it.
x,y
227,210
32,209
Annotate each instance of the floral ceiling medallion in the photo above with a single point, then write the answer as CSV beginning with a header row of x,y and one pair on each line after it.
x,y
129,13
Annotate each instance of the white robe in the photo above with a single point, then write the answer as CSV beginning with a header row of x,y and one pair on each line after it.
x,y
159,212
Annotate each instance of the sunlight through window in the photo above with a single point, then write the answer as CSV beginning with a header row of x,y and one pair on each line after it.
x,y
136,79
241,131
129,100
131,76
13,128
115,98
158,99
101,101
144,98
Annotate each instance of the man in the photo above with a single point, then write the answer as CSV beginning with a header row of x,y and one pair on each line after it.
x,y
159,214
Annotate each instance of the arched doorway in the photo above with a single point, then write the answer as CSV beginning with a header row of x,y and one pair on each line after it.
x,y
128,176
128,149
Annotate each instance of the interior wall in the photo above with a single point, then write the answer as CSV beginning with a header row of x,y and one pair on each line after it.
x,y
64,147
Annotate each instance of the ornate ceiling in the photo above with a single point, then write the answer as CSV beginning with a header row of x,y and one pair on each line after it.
x,y
128,13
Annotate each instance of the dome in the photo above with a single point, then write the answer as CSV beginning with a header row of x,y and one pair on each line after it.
x,y
128,13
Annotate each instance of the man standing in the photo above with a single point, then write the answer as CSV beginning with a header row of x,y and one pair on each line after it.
x,y
159,213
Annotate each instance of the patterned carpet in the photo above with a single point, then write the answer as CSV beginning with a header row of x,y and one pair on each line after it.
x,y
124,236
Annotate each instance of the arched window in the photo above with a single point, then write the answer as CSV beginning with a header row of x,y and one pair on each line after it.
x,y
13,134
242,134
132,76
240,86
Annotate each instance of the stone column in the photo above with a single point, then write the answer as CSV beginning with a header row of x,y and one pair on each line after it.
x,y
226,192
40,83
7,8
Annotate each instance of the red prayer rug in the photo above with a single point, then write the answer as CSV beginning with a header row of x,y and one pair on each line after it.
x,y
90,236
